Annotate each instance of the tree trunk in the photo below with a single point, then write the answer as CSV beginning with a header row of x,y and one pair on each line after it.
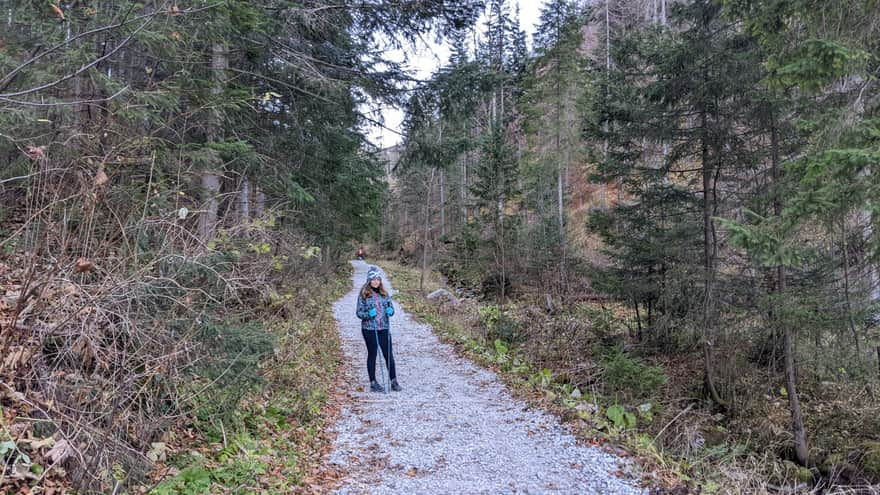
x,y
797,420
638,320
503,261
873,274
219,66
794,403
603,188
874,281
210,179
463,188
561,210
442,203
244,200
607,96
560,176
427,231
210,183
259,198
846,298
607,36
708,264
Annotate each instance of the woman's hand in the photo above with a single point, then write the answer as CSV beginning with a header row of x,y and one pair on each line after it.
x,y
389,311
372,312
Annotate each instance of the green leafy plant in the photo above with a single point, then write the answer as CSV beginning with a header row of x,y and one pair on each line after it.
x,y
489,315
621,417
190,481
542,378
499,325
10,449
501,352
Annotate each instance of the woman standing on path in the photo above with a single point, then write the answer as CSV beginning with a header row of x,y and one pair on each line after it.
x,y
374,308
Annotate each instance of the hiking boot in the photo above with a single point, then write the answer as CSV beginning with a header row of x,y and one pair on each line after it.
x,y
375,387
395,386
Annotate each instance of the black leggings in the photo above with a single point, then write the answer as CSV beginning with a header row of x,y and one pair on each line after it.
x,y
370,339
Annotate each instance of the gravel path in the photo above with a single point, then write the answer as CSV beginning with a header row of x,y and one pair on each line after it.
x,y
454,429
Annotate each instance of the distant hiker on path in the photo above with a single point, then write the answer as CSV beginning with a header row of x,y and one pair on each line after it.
x,y
375,309
360,253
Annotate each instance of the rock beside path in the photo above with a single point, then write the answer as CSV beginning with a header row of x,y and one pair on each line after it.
x,y
443,295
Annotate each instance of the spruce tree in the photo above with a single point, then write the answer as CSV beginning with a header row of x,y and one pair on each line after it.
x,y
685,87
549,105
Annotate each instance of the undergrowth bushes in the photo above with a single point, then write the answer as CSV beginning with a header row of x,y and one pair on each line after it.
x,y
230,373
500,326
271,440
628,377
117,347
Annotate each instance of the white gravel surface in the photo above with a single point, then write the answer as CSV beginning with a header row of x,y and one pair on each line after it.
x,y
454,429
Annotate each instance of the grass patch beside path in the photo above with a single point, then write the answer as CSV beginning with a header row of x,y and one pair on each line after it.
x,y
278,438
405,279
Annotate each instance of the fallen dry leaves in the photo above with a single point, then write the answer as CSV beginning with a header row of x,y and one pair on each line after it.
x,y
46,452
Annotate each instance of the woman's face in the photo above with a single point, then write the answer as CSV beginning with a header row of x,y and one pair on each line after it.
x,y
375,283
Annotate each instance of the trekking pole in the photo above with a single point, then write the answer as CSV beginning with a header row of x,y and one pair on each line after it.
x,y
379,353
390,353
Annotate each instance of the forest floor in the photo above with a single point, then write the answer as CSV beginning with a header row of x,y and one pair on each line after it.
x,y
454,428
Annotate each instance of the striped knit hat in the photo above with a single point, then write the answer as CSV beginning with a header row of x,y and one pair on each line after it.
x,y
373,272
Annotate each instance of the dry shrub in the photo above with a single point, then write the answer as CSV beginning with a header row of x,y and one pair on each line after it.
x,y
564,344
107,307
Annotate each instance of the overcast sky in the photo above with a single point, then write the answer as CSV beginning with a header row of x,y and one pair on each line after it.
x,y
424,59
